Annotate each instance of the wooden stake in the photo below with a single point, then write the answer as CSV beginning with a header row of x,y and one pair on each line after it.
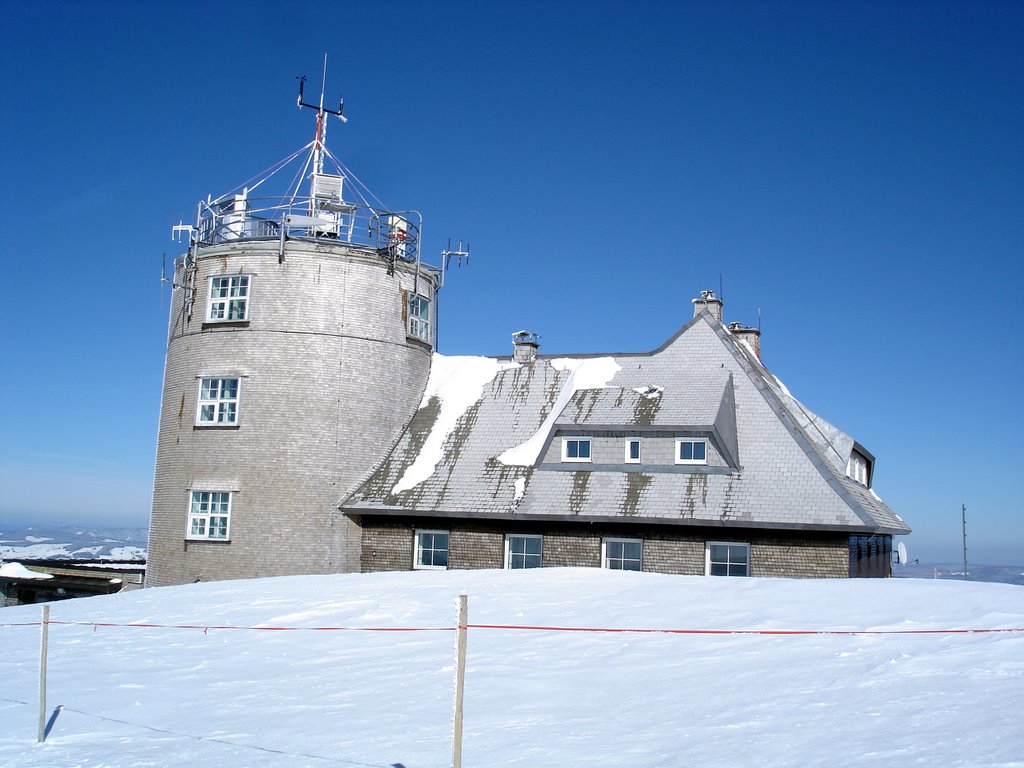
x,y
42,673
460,680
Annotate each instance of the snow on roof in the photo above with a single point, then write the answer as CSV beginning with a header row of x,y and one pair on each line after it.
x,y
586,373
457,383
19,571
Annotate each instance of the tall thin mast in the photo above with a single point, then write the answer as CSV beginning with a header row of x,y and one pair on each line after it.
x,y
320,141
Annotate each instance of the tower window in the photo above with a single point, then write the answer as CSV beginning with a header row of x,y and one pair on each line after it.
x,y
218,402
419,317
209,515
229,299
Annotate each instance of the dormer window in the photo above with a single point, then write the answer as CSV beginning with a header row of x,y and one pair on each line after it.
x,y
632,450
859,468
575,449
689,451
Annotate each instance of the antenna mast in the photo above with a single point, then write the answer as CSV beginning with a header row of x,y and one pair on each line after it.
x,y
320,141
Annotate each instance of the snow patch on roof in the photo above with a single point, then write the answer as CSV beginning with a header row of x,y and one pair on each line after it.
x,y
650,392
782,386
586,373
19,571
520,490
457,382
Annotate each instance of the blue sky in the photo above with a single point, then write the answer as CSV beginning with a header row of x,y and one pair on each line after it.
x,y
854,172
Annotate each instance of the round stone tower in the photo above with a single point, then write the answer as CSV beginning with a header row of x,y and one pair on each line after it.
x,y
299,344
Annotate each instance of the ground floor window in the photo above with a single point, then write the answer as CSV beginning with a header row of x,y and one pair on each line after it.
x,y
727,558
209,515
523,551
431,549
622,554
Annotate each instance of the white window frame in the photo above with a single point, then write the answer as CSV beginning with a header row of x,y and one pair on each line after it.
x,y
606,560
225,293
639,451
728,563
224,410
577,458
857,468
202,514
418,549
524,555
694,441
419,317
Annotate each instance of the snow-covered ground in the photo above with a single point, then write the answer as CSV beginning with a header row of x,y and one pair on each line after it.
x,y
240,697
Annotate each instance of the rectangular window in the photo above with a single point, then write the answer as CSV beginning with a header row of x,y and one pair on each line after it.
x,y
229,298
632,451
622,554
218,401
209,515
575,449
523,551
691,451
431,549
419,318
726,558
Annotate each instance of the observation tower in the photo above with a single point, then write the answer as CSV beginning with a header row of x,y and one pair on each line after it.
x,y
302,324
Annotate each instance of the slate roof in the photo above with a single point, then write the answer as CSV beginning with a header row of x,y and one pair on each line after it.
x,y
777,464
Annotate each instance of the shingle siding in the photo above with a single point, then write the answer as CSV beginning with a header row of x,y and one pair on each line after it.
x,y
388,545
328,382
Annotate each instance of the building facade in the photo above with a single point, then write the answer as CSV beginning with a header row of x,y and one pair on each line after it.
x,y
691,459
307,425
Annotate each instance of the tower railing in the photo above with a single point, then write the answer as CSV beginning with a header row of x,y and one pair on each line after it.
x,y
238,217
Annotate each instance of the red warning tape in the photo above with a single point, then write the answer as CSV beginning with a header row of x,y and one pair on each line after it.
x,y
534,628
206,627
747,631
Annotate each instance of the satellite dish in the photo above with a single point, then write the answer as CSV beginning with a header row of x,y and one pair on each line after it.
x,y
901,553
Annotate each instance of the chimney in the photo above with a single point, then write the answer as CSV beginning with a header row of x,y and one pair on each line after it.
x,y
749,336
710,303
525,344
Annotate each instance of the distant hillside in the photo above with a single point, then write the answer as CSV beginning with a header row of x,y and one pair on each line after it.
x,y
72,543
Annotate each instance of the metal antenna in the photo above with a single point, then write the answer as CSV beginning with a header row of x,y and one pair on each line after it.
x,y
461,253
446,257
320,142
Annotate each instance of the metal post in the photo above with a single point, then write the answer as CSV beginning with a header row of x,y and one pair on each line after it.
x,y
460,680
963,518
42,673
